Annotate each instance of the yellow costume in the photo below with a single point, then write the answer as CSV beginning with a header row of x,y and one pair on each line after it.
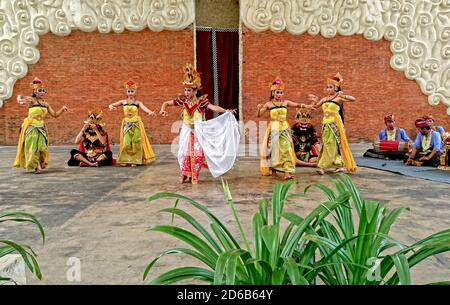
x,y
135,147
32,148
277,152
335,151
278,148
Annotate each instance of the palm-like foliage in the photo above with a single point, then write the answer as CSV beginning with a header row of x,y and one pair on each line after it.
x,y
362,252
270,260
339,253
27,253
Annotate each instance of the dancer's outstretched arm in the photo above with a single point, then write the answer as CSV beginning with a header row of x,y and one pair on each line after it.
x,y
114,105
297,105
345,97
163,111
219,109
262,108
146,110
24,100
54,113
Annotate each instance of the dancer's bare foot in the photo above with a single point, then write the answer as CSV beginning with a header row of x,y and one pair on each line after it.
x,y
38,169
287,176
124,165
339,170
321,172
43,165
183,179
133,165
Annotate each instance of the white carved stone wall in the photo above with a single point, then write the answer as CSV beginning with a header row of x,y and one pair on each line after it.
x,y
22,21
419,31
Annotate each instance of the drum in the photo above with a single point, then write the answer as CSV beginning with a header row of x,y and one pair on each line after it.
x,y
385,146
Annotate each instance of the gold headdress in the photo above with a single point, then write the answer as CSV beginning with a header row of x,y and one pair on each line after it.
x,y
192,77
95,117
37,83
277,84
303,115
130,85
336,81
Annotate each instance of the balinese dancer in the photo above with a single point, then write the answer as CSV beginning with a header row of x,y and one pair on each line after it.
x,y
94,147
32,150
392,142
306,142
427,147
209,144
135,148
335,154
277,151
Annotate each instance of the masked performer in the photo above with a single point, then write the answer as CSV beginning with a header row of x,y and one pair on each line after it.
x,y
32,150
428,146
306,142
277,151
209,144
94,144
135,148
335,154
392,143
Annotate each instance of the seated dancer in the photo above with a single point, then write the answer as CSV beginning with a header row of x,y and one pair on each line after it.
x,y
277,150
210,144
427,148
94,144
432,121
306,142
135,148
392,143
32,148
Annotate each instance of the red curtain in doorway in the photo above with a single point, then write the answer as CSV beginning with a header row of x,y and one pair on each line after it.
x,y
205,65
218,63
228,69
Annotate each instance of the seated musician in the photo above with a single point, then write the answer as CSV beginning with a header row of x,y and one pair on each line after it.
x,y
306,142
94,147
392,143
427,148
434,127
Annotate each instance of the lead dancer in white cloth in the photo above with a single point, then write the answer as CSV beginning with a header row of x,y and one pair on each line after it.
x,y
215,141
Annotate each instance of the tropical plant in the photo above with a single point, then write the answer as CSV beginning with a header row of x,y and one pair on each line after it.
x,y
270,259
345,251
25,251
361,252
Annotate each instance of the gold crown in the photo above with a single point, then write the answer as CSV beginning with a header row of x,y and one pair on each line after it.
x,y
130,85
37,83
277,84
192,77
303,114
336,81
94,117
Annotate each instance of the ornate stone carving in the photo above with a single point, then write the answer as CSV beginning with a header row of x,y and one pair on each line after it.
x,y
22,21
419,31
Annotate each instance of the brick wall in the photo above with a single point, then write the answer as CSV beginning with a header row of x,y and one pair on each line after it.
x,y
304,62
87,70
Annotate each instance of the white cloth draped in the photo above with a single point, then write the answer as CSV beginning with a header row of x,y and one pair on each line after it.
x,y
219,139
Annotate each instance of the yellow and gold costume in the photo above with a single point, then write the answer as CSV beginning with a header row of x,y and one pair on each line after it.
x,y
335,151
277,148
32,148
135,147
